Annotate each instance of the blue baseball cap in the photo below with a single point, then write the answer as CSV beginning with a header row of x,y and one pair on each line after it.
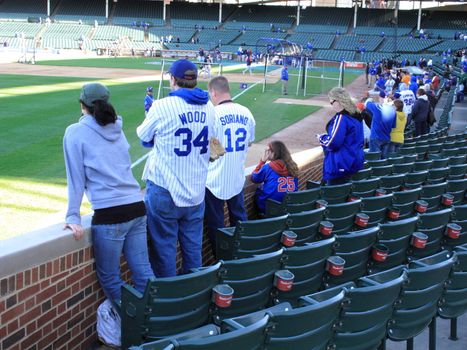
x,y
149,89
184,69
382,94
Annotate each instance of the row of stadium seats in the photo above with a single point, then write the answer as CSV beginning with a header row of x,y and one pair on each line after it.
x,y
395,297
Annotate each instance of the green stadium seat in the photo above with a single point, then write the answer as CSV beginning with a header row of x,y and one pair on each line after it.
x,y
457,160
409,158
307,263
392,183
377,163
447,153
417,304
457,172
365,188
354,248
367,311
305,225
432,195
380,171
405,200
335,193
454,300
402,168
423,165
250,237
342,215
372,156
433,225
362,174
437,175
415,179
166,343
252,282
440,163
395,160
396,237
376,208
404,151
457,188
293,202
435,147
251,337
169,305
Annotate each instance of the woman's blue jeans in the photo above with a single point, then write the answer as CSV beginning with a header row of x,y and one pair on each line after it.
x,y
108,243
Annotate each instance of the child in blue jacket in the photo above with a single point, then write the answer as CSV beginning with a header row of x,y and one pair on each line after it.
x,y
278,177
343,142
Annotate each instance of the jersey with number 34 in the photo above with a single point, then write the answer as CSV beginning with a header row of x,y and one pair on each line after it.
x,y
235,127
180,157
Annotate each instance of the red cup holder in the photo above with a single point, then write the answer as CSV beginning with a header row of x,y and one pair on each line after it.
x,y
321,203
447,199
394,213
283,280
288,238
361,220
222,295
335,265
379,252
325,228
453,231
421,206
380,192
419,240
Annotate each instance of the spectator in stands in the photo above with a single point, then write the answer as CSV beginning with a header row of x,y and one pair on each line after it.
x,y
460,93
343,141
277,172
384,118
226,176
420,112
413,84
98,164
389,84
367,74
397,133
408,98
284,79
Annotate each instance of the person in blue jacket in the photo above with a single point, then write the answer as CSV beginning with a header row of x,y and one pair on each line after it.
x,y
343,142
285,79
148,99
278,177
413,85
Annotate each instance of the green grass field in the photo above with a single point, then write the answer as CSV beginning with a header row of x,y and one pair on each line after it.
x,y
35,112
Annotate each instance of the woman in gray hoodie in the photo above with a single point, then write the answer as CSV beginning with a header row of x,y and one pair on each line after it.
x,y
98,163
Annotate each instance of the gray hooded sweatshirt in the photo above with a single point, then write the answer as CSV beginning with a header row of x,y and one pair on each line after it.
x,y
98,162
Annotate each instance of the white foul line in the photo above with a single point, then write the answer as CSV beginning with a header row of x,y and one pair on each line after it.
x,y
141,159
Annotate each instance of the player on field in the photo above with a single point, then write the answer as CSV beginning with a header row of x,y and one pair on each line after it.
x,y
148,99
180,127
235,126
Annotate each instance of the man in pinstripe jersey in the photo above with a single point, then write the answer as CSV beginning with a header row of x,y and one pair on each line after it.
x,y
179,128
235,126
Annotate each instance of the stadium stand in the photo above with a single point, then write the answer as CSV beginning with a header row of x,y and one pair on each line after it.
x,y
251,37
223,37
22,9
444,23
129,12
318,41
114,32
189,15
375,22
346,42
85,10
259,17
407,44
324,20
14,29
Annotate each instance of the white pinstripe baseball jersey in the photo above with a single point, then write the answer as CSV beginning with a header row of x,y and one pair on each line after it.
x,y
235,126
179,159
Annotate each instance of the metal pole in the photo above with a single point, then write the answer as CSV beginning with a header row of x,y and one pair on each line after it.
x,y
453,334
106,8
220,11
355,15
432,334
304,75
396,19
419,19
410,344
298,13
299,74
164,11
161,80
48,7
265,72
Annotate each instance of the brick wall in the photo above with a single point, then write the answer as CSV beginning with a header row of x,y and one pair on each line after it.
x,y
50,302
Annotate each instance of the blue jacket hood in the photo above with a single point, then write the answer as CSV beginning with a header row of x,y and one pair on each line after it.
x,y
194,96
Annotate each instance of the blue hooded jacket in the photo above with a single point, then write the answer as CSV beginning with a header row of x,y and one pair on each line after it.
x,y
343,146
284,74
413,85
384,119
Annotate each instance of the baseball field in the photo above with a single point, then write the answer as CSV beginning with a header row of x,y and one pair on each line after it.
x,y
36,109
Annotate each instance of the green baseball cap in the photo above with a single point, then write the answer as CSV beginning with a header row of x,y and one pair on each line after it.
x,y
92,92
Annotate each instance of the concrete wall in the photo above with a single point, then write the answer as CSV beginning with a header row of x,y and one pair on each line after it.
x,y
49,293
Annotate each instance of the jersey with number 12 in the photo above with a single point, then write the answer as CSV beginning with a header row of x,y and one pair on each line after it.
x,y
180,157
235,126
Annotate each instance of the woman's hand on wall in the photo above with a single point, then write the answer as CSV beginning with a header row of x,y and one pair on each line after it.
x,y
77,229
